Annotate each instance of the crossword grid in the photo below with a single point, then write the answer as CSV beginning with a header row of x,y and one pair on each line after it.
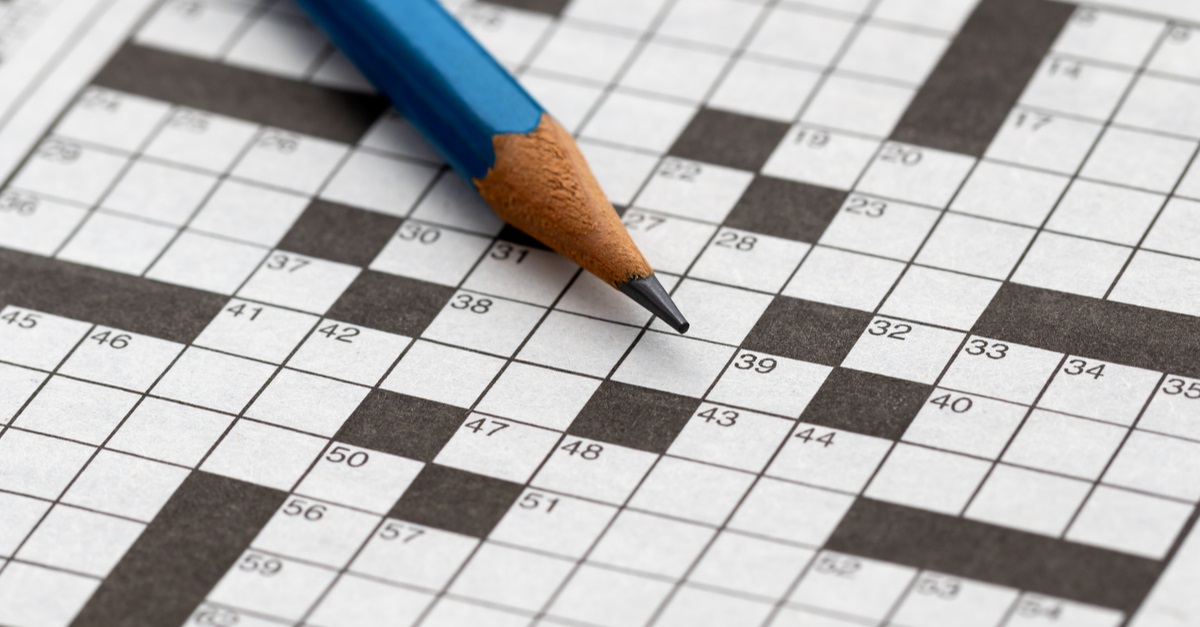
x,y
268,405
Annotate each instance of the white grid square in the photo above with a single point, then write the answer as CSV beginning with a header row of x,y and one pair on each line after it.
x,y
38,465
207,263
871,593
570,531
453,201
286,47
764,266
251,213
790,512
299,282
115,243
811,155
491,325
769,383
885,228
497,448
764,90
1176,229
79,540
1076,87
902,55
671,363
1043,140
1129,522
938,297
519,393
38,340
214,380
1028,500
843,278
974,246
170,432
1139,159
1065,445
651,544
19,385
200,139
1108,36
159,192
717,313
379,183
511,577
122,359
583,345
927,479
1009,193
1103,391
800,36
197,33
306,402
638,121
691,491
712,22
675,71
903,350
750,565
960,423
1160,281
588,53
1157,464
289,160
34,595
441,373
1162,104
854,104
114,119
41,231
609,598
76,410
916,174
736,439
1070,264
262,454
829,458
693,190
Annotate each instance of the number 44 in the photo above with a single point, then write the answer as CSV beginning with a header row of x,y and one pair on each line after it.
x,y
810,435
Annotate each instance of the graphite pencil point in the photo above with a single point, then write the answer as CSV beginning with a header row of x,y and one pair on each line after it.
x,y
649,293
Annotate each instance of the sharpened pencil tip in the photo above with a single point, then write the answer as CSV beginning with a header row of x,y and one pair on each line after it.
x,y
649,293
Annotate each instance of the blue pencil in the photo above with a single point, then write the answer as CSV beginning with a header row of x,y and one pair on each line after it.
x,y
490,130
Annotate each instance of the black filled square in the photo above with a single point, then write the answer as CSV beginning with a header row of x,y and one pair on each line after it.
x,y
633,416
866,403
339,233
390,303
122,301
549,7
518,237
207,524
335,114
402,425
806,330
788,209
729,139
456,500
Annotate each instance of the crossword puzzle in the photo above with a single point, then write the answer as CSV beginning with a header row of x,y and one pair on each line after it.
x,y
266,361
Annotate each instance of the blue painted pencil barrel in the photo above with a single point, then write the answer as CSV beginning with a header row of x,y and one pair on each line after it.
x,y
434,72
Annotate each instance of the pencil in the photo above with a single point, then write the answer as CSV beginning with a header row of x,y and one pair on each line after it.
x,y
489,129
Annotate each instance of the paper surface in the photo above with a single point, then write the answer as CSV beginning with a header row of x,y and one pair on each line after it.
x,y
265,360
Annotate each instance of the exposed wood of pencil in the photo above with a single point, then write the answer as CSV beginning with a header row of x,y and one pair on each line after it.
x,y
541,184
